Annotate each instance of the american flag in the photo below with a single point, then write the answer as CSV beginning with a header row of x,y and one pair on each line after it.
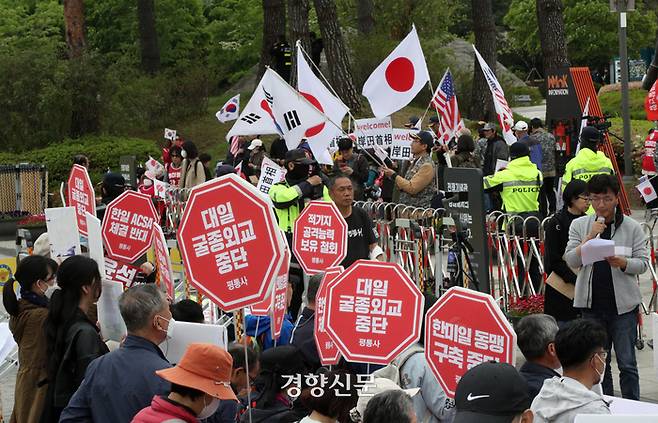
x,y
445,103
235,144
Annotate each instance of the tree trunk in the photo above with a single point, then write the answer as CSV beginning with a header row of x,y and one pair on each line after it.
x,y
551,34
299,30
148,36
365,16
274,28
74,24
340,73
484,29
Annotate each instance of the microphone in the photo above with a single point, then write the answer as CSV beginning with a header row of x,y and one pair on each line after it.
x,y
600,219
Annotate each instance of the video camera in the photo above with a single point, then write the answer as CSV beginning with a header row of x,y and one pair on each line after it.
x,y
599,122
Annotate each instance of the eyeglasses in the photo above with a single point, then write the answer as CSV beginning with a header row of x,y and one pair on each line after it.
x,y
176,155
605,200
582,197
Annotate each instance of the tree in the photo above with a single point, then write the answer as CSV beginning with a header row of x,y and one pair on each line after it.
x,y
274,28
148,36
590,42
484,29
552,34
340,74
74,23
299,30
365,10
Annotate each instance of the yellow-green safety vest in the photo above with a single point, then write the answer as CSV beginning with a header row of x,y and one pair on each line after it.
x,y
521,181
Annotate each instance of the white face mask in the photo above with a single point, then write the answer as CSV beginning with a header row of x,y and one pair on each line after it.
x,y
208,409
170,328
603,371
51,290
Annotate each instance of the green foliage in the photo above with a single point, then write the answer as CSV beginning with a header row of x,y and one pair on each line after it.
x,y
35,105
103,152
591,30
235,31
611,103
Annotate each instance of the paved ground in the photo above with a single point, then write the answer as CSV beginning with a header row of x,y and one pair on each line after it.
x,y
532,111
648,375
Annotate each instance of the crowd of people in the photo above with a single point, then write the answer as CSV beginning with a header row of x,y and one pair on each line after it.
x,y
67,372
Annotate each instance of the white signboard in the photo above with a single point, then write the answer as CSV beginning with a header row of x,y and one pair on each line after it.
x,y
401,145
63,234
373,131
270,174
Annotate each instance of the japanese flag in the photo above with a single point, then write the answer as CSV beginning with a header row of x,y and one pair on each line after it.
x,y
254,120
398,79
293,115
169,134
647,190
319,137
230,110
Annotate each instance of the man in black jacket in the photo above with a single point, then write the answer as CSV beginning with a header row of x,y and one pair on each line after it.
x,y
303,334
353,165
536,340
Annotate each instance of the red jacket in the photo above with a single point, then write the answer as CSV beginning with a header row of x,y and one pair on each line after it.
x,y
162,410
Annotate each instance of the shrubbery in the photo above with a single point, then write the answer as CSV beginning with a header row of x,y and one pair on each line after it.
x,y
611,103
103,152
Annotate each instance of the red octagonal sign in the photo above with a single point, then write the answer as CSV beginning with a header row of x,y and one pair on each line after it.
x,y
81,195
230,243
128,226
320,237
374,311
463,329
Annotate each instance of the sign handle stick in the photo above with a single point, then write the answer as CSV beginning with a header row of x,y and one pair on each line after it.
x,y
246,363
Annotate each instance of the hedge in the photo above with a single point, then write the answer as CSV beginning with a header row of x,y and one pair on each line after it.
x,y
611,103
103,152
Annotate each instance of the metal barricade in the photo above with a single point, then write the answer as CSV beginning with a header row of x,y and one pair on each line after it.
x,y
23,187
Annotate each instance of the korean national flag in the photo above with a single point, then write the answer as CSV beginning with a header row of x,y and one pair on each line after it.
x,y
230,110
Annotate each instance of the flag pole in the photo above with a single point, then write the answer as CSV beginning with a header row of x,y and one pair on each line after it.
x,y
349,112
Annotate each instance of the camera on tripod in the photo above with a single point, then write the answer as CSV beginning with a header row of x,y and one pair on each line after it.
x,y
601,123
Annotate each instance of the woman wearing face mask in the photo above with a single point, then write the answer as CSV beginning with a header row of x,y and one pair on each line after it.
x,y
193,172
198,383
36,277
73,341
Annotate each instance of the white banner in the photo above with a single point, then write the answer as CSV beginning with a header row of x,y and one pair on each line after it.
x,y
270,174
374,131
401,145
63,234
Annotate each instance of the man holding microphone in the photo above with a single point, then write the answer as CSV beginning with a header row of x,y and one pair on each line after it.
x,y
607,291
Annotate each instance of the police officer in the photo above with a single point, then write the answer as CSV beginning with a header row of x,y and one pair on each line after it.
x,y
282,53
520,183
589,161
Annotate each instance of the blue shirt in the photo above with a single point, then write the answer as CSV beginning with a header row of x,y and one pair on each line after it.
x,y
119,384
262,323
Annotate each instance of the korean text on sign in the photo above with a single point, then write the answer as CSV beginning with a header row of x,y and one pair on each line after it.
x,y
80,197
127,224
463,346
371,308
320,237
225,239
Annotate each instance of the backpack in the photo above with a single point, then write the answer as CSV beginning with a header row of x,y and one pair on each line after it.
x,y
392,370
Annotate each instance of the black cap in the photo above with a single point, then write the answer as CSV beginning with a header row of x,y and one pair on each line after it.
x,y
491,392
413,120
425,138
224,169
590,133
433,120
298,155
518,149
